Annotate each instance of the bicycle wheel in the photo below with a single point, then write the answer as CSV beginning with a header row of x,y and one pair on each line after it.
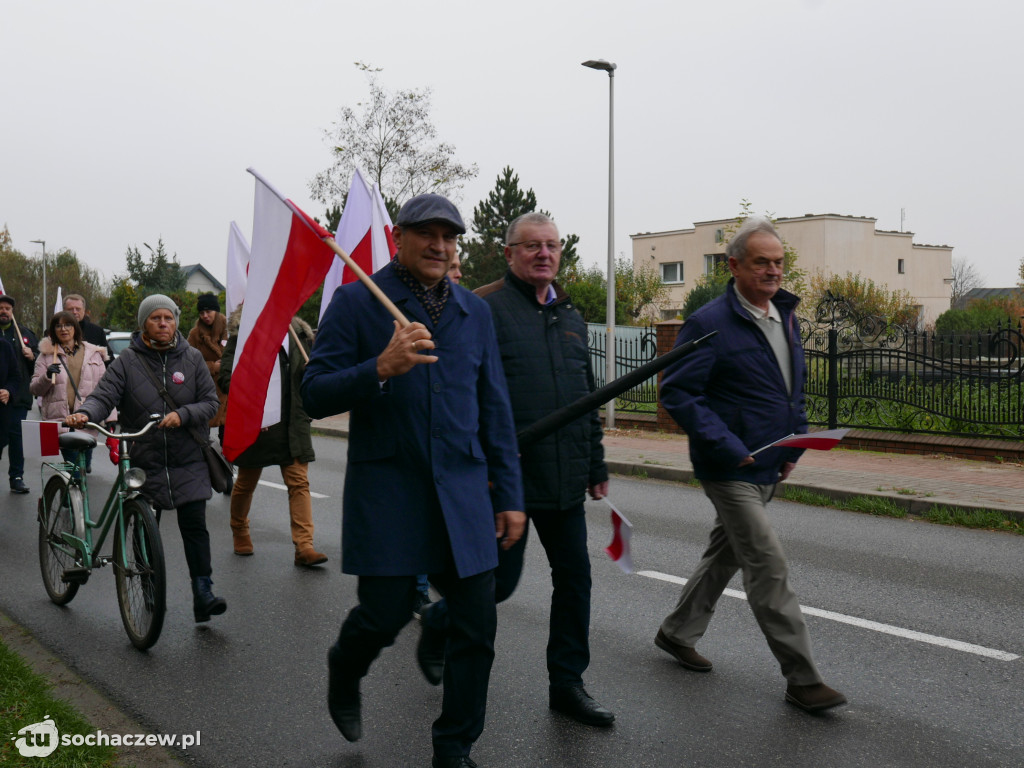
x,y
139,575
60,511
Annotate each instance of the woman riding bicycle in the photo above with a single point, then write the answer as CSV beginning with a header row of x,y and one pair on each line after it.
x,y
160,365
68,369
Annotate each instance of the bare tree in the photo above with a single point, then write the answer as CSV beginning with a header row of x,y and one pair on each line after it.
x,y
394,143
965,279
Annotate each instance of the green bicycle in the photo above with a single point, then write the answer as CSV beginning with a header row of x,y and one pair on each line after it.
x,y
69,550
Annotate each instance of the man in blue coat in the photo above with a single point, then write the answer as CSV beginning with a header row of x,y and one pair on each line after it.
x,y
432,473
734,394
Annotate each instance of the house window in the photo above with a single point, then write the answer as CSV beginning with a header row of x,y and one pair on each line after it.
x,y
719,235
901,266
672,273
712,260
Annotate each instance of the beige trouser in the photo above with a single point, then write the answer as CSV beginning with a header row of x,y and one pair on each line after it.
x,y
300,504
743,539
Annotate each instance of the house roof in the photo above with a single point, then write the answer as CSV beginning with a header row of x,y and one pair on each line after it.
x,y
191,269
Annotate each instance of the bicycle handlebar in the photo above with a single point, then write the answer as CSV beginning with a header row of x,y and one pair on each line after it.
x,y
153,419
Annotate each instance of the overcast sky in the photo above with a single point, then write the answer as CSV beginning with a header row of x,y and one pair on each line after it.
x,y
126,121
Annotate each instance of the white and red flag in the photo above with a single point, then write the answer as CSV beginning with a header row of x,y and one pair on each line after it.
x,y
364,233
622,533
238,268
818,441
287,263
59,306
40,438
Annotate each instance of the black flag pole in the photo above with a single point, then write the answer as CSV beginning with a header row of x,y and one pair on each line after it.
x,y
558,419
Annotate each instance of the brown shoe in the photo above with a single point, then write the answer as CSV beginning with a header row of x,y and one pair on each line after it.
x,y
814,698
685,655
242,543
310,557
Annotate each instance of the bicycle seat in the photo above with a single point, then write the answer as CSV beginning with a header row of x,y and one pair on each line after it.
x,y
76,441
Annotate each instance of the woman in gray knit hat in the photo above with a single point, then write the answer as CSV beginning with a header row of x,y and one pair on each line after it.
x,y
158,361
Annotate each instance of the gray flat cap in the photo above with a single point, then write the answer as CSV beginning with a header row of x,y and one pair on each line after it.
x,y
430,207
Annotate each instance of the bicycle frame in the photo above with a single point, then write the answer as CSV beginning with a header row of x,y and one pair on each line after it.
x,y
87,550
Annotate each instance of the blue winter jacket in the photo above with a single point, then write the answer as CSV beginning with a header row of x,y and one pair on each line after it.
x,y
729,395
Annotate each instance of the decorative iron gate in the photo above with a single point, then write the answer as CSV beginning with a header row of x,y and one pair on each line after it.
x,y
634,346
866,373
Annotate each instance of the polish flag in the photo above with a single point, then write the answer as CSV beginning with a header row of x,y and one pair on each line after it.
x,y
40,438
59,306
287,263
364,233
819,441
238,268
622,532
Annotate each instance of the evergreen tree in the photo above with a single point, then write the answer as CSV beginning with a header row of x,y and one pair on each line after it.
x,y
483,256
160,274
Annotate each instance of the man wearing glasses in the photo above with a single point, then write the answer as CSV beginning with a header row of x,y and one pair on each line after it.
x,y
543,342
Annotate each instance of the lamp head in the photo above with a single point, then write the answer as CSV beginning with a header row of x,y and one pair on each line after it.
x,y
607,66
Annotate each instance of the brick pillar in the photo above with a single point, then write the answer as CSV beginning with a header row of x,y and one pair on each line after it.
x,y
666,334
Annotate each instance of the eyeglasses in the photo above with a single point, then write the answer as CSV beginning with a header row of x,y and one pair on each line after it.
x,y
64,327
533,247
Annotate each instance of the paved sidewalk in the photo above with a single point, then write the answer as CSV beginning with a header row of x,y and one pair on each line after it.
x,y
915,482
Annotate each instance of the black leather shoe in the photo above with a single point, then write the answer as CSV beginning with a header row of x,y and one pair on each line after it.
x,y
18,485
453,762
575,702
430,654
343,699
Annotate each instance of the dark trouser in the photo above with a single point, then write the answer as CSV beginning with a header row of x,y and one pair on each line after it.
x,y
564,537
15,454
195,537
385,607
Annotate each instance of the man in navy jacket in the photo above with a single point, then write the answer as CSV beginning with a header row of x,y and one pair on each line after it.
x,y
430,428
739,391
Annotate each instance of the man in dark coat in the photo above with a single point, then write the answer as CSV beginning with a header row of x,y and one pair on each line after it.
x,y
25,346
427,433
9,384
543,342
287,444
734,394
94,334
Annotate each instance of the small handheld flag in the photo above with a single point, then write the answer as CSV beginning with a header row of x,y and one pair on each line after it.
x,y
818,441
40,438
622,532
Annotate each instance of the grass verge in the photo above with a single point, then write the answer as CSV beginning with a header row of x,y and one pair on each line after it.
x,y
25,699
987,519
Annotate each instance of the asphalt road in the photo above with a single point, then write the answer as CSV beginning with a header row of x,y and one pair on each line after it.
x,y
253,681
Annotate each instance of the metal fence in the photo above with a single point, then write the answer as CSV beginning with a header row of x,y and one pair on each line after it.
x,y
865,373
634,346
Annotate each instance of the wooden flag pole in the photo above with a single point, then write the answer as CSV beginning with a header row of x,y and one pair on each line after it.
x,y
365,279
302,349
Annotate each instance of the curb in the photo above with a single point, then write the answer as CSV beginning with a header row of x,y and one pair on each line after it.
x,y
915,507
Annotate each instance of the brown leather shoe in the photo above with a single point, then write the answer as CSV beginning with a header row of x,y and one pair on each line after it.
x,y
685,655
242,543
814,698
310,557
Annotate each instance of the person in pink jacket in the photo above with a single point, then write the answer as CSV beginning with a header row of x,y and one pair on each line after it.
x,y
68,368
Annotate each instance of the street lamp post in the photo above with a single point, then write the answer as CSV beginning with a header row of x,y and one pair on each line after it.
x,y
609,67
43,243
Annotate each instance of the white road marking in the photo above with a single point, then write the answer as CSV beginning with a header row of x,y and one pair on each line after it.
x,y
889,629
285,488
